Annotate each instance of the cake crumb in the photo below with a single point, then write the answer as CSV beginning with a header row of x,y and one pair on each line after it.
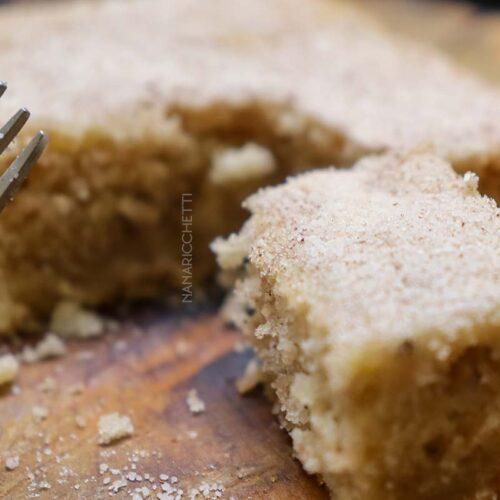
x,y
75,389
471,182
39,413
48,384
12,462
70,320
114,426
206,490
44,485
51,346
251,378
9,367
194,402
251,161
117,485
80,421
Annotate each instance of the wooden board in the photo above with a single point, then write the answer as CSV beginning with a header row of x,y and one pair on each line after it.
x,y
146,368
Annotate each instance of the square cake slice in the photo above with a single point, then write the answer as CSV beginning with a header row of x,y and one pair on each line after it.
x,y
372,298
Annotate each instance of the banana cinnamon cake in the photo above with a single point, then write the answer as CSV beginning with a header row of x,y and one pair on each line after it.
x,y
150,101
372,298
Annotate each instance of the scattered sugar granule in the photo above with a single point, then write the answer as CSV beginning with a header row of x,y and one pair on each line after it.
x,y
44,485
251,378
133,476
240,346
117,485
114,426
206,490
80,421
106,480
182,347
48,384
39,413
120,345
12,463
103,468
195,404
75,389
9,368
70,320
85,355
51,346
250,161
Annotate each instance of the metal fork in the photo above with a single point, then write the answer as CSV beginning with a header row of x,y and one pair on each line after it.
x,y
18,170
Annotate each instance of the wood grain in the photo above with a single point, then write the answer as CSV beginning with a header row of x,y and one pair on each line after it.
x,y
146,368
145,371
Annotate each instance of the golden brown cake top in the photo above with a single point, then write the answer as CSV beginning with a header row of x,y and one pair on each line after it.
x,y
81,62
397,248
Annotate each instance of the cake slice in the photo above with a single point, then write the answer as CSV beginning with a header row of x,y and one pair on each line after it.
x,y
152,103
372,299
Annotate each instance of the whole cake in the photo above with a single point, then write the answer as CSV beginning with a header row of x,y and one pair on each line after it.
x,y
152,105
372,299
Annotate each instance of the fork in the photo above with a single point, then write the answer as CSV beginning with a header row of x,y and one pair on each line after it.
x,y
18,170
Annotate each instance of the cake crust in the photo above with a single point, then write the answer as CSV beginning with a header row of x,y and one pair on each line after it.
x,y
327,58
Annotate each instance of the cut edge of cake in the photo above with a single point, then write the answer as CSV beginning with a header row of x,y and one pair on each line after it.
x,y
115,196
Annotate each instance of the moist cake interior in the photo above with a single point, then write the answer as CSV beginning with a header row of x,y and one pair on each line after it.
x,y
100,220
407,426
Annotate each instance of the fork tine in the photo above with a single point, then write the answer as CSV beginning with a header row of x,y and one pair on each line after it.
x,y
3,88
9,131
19,169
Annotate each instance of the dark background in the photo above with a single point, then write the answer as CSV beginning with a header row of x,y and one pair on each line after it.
x,y
489,4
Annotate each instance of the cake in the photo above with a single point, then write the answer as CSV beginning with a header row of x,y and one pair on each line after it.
x,y
372,299
152,103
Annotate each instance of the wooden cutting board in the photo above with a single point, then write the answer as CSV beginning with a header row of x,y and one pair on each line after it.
x,y
146,368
